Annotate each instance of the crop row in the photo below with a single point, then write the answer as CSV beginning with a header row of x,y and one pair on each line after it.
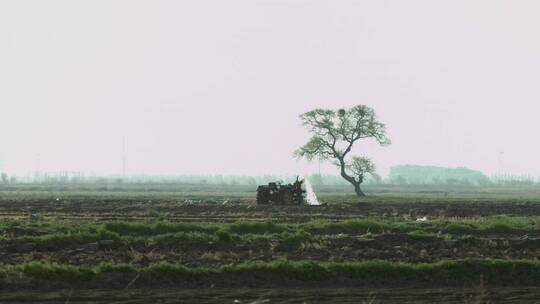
x,y
366,273
55,230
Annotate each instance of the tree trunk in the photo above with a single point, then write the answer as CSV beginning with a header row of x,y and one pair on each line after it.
x,y
350,179
358,191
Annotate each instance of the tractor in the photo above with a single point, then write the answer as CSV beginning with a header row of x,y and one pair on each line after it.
x,y
277,194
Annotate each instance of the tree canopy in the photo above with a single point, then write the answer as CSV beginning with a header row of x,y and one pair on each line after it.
x,y
334,133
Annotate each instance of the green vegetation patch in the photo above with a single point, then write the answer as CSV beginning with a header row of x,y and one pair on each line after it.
x,y
164,231
256,227
297,270
73,236
460,228
137,228
502,272
53,272
423,236
185,237
172,272
355,226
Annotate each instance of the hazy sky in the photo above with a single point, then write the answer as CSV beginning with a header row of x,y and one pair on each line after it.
x,y
217,86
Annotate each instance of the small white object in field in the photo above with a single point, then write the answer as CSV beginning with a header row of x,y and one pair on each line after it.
x,y
57,199
421,219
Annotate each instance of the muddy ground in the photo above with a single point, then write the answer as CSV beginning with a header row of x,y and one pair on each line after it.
x,y
258,296
322,245
394,246
240,208
388,246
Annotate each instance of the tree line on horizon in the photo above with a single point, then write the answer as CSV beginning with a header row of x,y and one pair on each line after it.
x,y
398,175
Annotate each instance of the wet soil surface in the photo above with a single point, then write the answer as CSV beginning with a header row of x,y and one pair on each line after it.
x,y
388,246
224,210
300,295
393,246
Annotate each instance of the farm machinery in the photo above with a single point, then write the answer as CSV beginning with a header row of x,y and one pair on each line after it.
x,y
276,193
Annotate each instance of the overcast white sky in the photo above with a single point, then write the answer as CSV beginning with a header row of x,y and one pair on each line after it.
x,y
216,87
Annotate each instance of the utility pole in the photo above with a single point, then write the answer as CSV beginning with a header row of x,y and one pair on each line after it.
x,y
38,168
123,157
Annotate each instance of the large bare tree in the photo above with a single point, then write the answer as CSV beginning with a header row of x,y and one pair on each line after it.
x,y
334,133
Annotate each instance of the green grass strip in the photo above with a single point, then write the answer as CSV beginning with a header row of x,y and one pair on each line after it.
x,y
493,271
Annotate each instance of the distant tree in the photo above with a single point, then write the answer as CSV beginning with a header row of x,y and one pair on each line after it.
x,y
484,182
400,180
452,181
334,134
4,177
415,174
376,178
465,182
101,181
13,179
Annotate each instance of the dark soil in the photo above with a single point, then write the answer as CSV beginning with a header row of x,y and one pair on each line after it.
x,y
393,247
322,245
225,210
520,295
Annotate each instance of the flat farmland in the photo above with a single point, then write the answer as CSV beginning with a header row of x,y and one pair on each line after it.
x,y
83,245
